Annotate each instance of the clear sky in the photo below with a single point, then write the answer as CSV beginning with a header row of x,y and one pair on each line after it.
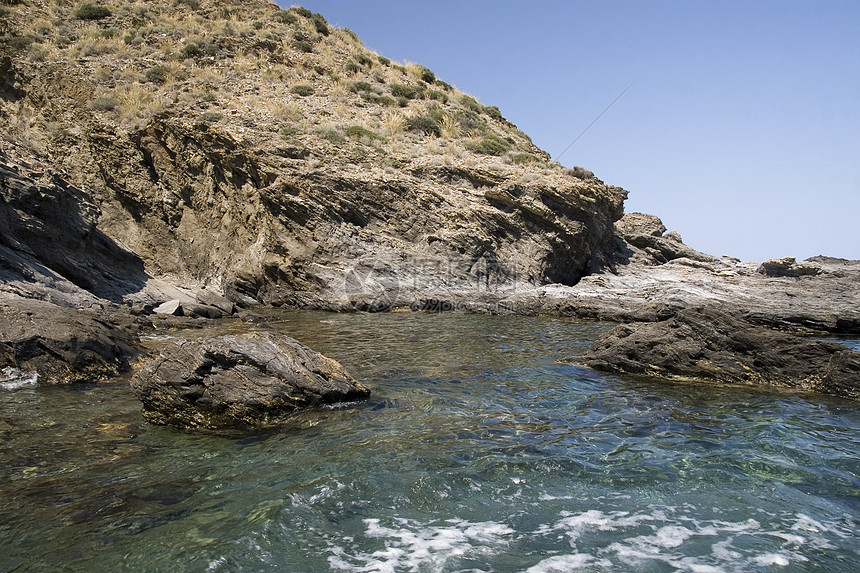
x,y
741,129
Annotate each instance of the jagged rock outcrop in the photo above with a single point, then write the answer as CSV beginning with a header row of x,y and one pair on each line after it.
x,y
706,344
789,267
647,232
253,380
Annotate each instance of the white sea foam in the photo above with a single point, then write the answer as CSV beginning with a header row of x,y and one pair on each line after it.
x,y
575,524
768,559
673,540
12,378
561,563
410,546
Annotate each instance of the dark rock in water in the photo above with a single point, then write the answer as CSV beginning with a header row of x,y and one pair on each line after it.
x,y
708,344
201,311
788,267
843,374
64,345
250,380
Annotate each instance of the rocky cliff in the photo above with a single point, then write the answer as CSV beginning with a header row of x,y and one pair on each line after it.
x,y
267,155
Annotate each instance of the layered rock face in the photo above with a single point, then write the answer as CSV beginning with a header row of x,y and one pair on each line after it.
x,y
278,230
49,239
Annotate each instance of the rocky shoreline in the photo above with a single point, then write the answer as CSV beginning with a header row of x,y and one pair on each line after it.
x,y
162,185
81,319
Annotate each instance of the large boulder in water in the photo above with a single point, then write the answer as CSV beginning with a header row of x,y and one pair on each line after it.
x,y
250,380
707,344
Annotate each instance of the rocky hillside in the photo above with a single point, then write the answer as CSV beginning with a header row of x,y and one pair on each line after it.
x,y
264,154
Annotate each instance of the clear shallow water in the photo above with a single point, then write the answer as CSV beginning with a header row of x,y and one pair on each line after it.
x,y
477,453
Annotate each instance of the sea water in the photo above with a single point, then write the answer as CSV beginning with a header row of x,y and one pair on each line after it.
x,y
477,452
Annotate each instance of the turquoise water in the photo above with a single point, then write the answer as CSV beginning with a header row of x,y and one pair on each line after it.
x,y
477,452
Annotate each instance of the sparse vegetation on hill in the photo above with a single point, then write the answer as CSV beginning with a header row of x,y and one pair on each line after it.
x,y
132,61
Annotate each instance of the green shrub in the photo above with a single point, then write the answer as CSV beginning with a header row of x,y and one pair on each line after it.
x,y
363,59
494,112
18,43
352,68
331,134
424,124
157,74
437,96
303,46
384,61
104,103
92,12
580,173
471,121
524,158
302,90
489,145
302,11
284,17
426,74
471,103
405,91
320,24
361,87
351,34
191,50
359,132
193,4
211,116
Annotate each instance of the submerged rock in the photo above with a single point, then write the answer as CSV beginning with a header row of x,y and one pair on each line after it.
x,y
707,344
250,380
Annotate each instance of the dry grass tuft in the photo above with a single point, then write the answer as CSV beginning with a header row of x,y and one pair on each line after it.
x,y
394,122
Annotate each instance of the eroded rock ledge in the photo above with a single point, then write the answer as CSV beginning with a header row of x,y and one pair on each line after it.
x,y
706,344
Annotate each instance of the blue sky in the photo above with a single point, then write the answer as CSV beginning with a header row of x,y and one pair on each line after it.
x,y
741,131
